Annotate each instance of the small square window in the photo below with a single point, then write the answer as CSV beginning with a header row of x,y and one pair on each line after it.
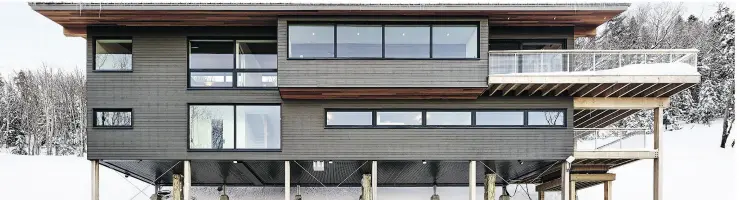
x,y
113,55
112,118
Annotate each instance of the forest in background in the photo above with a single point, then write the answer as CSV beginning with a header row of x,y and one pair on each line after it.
x,y
43,112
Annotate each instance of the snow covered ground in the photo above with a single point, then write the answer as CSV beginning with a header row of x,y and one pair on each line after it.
x,y
694,167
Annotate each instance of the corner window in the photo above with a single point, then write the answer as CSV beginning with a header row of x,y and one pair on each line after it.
x,y
232,63
112,118
383,41
234,127
113,55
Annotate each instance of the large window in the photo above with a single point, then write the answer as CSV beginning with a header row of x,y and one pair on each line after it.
x,y
434,118
113,55
232,63
112,118
234,127
383,41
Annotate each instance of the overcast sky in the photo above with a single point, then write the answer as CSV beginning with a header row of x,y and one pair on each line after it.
x,y
29,40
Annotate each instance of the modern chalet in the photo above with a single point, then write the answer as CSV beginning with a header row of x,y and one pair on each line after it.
x,y
366,95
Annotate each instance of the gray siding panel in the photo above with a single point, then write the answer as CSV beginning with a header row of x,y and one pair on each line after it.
x,y
304,136
156,91
382,73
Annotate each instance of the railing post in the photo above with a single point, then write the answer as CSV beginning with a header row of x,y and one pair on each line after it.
x,y
645,58
516,71
593,62
619,60
542,67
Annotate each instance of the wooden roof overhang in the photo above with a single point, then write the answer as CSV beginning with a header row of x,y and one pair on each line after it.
x,y
75,17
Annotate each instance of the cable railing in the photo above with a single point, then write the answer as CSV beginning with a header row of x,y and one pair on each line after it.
x,y
612,139
573,60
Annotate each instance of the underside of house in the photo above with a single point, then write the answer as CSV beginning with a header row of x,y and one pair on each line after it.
x,y
354,112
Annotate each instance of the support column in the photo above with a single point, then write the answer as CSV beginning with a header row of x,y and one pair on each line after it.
x,y
607,193
366,187
94,180
178,187
657,164
287,180
541,195
565,190
573,189
374,180
472,180
187,180
490,186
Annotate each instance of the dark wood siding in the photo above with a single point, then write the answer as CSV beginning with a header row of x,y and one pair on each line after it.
x,y
306,138
382,73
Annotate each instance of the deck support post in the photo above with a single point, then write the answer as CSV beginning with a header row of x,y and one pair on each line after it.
x,y
541,195
490,187
565,190
187,180
287,180
94,180
573,190
374,180
177,186
472,180
657,164
607,193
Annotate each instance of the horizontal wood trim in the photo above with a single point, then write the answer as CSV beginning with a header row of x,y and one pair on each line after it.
x,y
380,93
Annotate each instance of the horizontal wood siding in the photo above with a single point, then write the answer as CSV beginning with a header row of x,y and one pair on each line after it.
x,y
304,136
156,91
381,73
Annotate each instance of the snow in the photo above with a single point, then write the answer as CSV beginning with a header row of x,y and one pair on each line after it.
x,y
657,69
694,167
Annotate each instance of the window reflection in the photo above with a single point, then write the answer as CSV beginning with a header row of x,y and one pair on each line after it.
x,y
454,41
113,55
257,55
406,41
258,127
503,118
349,118
311,41
359,41
399,118
211,55
211,79
545,118
448,118
211,127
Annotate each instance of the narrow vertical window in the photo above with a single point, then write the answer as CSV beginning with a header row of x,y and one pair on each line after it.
x,y
113,55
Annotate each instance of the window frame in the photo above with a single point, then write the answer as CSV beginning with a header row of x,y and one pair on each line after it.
x,y
235,125
383,26
427,126
234,71
131,118
93,52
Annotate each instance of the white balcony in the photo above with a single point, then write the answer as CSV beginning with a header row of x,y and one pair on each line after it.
x,y
592,73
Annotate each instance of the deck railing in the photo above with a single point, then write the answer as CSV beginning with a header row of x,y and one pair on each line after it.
x,y
570,60
612,139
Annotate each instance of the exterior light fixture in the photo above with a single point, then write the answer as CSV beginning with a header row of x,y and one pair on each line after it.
x,y
520,161
318,166
235,162
424,162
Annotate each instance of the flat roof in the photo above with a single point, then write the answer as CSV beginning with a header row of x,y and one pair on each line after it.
x,y
75,17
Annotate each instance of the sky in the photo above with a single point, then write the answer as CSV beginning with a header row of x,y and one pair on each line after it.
x,y
29,40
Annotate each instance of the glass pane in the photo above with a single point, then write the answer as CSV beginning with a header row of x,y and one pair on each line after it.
x,y
359,41
504,118
399,118
448,118
455,41
211,79
257,55
211,127
113,118
211,54
546,118
311,41
258,127
407,41
257,79
114,55
349,118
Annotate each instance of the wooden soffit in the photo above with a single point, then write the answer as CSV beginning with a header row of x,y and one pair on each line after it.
x,y
75,18
380,93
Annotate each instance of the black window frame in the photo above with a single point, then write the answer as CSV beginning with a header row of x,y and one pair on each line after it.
x,y
234,71
97,110
383,26
424,125
235,125
93,52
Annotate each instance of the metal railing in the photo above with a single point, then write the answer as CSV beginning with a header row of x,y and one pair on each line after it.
x,y
612,139
570,60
